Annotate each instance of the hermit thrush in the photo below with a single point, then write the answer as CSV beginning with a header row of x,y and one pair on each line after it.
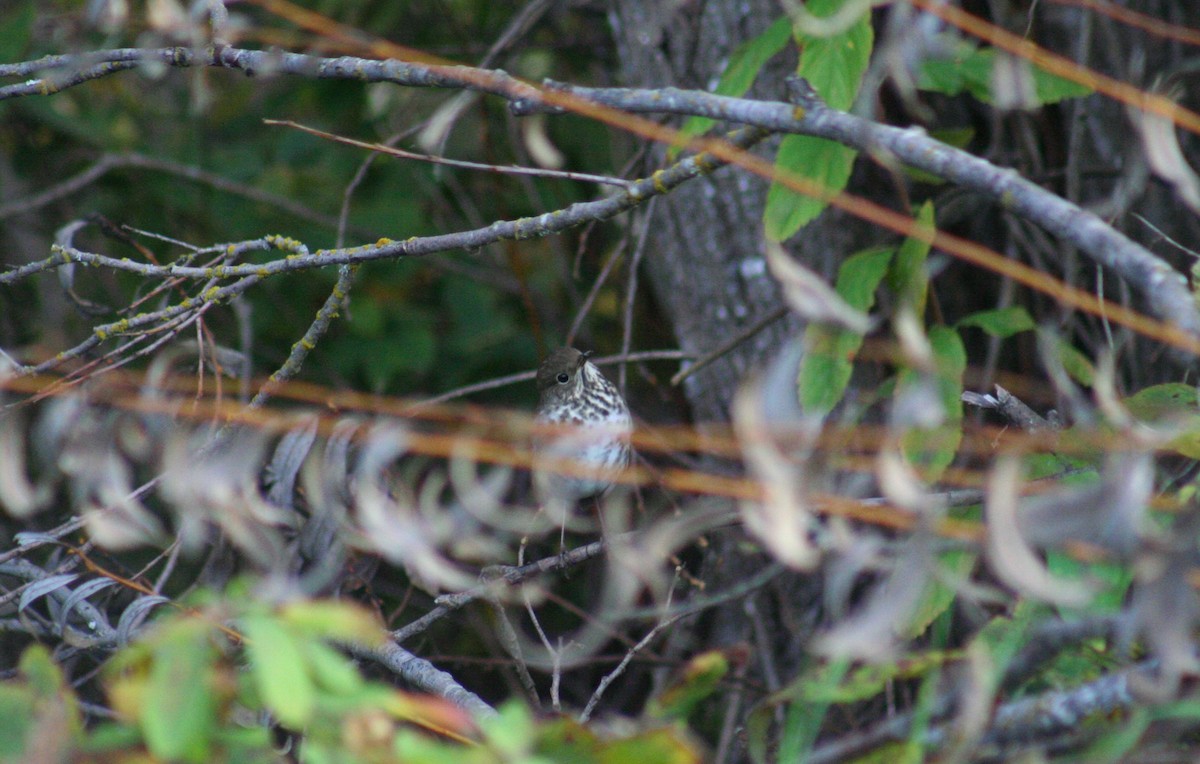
x,y
572,391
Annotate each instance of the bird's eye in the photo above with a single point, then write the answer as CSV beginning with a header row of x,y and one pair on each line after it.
x,y
563,378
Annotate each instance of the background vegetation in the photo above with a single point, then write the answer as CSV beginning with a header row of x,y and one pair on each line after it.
x,y
264,438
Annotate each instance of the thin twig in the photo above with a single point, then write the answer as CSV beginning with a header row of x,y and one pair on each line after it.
x,y
611,676
380,148
526,376
730,344
447,604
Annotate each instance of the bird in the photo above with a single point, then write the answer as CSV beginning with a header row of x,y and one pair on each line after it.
x,y
596,428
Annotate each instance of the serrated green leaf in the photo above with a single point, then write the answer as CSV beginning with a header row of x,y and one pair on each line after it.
x,y
859,276
907,277
278,667
829,352
822,161
826,367
744,65
834,66
1001,322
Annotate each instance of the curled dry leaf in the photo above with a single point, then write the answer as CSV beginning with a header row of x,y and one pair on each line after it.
x,y
541,149
290,454
220,486
390,516
1107,514
914,344
101,485
783,518
19,496
862,553
900,483
327,489
809,295
1165,157
1166,608
1013,88
1008,552
870,633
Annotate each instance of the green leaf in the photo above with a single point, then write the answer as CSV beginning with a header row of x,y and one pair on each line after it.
x,y
331,670
39,669
866,681
834,66
1163,401
1116,744
822,161
931,451
829,352
1177,405
698,680
744,65
907,277
1001,322
179,709
970,69
951,359
16,720
1115,579
665,745
939,596
1076,363
807,710
277,663
510,731
331,619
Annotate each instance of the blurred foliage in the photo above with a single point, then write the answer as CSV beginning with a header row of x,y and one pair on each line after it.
x,y
194,690
226,673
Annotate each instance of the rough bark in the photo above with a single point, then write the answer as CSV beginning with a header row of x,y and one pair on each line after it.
x,y
705,258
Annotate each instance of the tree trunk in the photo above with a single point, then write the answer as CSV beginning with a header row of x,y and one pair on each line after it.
x,y
706,262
